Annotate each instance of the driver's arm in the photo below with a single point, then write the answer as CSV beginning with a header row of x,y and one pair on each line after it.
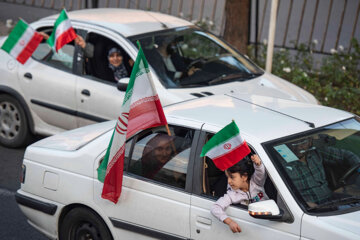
x,y
334,155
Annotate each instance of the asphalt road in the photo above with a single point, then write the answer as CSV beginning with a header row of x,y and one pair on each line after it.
x,y
13,224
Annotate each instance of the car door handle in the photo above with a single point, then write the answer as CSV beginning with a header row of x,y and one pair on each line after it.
x,y
203,220
28,75
85,92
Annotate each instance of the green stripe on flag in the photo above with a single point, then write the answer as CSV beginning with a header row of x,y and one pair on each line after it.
x,y
102,168
140,67
62,17
14,36
222,136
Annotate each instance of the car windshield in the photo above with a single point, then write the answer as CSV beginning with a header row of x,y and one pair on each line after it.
x,y
190,57
322,168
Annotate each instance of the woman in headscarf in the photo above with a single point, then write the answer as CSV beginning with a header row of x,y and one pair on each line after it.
x,y
157,152
116,64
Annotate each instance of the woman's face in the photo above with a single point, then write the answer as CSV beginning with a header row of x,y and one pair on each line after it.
x,y
115,59
163,151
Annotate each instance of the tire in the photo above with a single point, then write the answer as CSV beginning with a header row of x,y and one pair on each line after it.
x,y
14,128
82,223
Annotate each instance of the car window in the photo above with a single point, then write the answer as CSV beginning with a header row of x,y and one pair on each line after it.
x,y
96,64
189,57
322,167
63,59
162,158
215,185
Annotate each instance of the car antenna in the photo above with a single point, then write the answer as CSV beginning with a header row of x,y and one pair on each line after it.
x,y
162,24
312,125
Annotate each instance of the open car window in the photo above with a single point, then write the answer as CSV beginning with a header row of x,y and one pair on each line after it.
x,y
215,183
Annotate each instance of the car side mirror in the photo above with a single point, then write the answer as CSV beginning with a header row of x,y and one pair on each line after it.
x,y
267,209
122,84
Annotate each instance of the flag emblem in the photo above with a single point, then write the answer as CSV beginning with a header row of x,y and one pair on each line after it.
x,y
226,147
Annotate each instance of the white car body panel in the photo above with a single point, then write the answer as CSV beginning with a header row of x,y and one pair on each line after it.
x,y
62,170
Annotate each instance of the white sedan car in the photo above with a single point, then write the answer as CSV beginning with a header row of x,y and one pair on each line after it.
x,y
56,92
61,195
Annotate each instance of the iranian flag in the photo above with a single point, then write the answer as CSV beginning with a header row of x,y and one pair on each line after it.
x,y
141,109
62,33
226,147
22,41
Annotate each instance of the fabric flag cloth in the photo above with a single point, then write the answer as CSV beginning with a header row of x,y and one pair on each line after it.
x,y
141,109
226,147
62,33
22,41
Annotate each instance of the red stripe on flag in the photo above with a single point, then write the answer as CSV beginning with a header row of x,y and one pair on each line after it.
x,y
65,38
114,177
123,123
145,113
227,160
30,48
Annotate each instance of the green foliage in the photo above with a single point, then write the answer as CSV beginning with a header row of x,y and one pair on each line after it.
x,y
335,83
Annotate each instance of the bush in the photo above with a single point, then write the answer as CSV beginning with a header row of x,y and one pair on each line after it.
x,y
335,83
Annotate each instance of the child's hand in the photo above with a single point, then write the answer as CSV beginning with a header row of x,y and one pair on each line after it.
x,y
255,158
234,227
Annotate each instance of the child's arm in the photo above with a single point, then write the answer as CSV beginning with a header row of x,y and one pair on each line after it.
x,y
234,227
259,175
218,210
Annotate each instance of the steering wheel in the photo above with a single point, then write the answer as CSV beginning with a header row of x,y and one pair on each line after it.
x,y
342,180
197,61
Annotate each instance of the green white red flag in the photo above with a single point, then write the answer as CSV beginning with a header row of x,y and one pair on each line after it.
x,y
226,147
141,109
62,33
22,41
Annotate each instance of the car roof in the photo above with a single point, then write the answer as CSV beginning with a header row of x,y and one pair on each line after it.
x,y
261,117
128,22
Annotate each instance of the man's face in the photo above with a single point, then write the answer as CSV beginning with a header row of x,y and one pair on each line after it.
x,y
300,147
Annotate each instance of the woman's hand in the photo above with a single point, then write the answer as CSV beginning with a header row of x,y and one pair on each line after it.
x,y
80,41
234,227
255,158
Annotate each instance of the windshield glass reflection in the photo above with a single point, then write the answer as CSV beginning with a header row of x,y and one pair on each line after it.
x,y
323,168
189,57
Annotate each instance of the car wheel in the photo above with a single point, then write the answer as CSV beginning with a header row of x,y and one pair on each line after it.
x,y
81,223
14,129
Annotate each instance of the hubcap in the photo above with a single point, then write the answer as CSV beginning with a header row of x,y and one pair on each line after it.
x,y
10,122
87,231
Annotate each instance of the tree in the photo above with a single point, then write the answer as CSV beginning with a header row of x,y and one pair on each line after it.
x,y
237,16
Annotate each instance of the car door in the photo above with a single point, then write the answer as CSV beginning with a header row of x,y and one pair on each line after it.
x,y
208,188
48,84
98,98
155,201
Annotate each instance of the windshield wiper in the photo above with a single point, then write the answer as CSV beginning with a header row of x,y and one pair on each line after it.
x,y
336,202
226,77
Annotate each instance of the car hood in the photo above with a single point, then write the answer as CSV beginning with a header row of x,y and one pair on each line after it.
x,y
75,139
264,85
344,226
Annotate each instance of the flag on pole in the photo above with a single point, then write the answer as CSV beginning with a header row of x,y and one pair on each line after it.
x,y
22,41
141,109
62,33
226,147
